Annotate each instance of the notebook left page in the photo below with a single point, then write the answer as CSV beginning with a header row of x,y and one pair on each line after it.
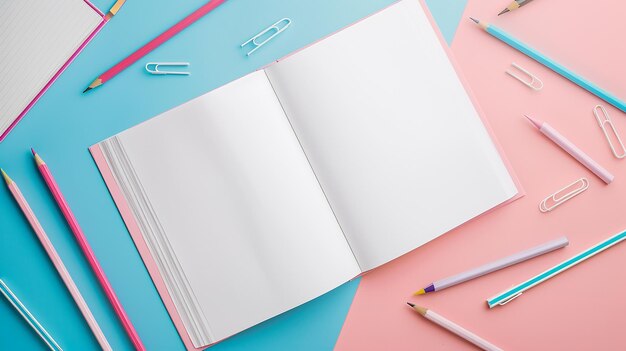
x,y
230,210
36,39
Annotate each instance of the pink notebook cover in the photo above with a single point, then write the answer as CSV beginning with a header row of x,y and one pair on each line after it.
x,y
135,232
58,73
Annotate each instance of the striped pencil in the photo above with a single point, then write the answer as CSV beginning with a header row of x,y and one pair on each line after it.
x,y
56,261
28,317
87,251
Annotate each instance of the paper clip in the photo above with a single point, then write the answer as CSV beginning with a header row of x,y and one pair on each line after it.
x,y
277,28
553,201
504,302
153,68
603,121
535,83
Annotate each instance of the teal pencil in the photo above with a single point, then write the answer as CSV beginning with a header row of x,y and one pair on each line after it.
x,y
551,64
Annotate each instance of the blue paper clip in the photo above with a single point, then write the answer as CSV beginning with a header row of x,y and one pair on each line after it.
x,y
275,28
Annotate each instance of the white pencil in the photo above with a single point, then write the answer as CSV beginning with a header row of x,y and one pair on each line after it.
x,y
57,262
455,328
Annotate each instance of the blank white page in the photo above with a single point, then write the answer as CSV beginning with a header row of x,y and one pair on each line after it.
x,y
36,38
232,191
390,131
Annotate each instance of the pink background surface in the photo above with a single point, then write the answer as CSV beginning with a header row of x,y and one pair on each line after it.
x,y
564,313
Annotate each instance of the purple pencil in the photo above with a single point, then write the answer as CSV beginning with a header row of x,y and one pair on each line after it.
x,y
494,266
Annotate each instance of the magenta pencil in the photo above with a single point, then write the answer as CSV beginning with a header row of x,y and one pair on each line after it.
x,y
571,149
87,251
57,262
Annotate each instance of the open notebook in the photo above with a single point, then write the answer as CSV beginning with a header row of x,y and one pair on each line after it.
x,y
278,187
38,39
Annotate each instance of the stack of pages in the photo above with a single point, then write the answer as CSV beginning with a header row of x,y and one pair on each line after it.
x,y
278,187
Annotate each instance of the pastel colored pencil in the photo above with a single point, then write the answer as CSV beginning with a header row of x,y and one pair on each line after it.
x,y
514,6
56,261
87,251
572,149
28,317
495,265
154,43
454,328
551,64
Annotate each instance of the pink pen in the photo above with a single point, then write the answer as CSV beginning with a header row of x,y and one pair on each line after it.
x,y
571,149
88,252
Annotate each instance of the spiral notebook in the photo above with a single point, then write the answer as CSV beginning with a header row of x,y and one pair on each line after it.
x,y
38,40
282,185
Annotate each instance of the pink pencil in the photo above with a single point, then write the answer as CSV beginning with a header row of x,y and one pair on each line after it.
x,y
87,251
571,149
56,261
154,43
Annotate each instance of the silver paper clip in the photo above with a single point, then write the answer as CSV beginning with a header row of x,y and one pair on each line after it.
x,y
534,83
553,201
603,121
277,28
153,68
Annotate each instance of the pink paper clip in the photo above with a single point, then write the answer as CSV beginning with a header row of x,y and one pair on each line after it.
x,y
553,201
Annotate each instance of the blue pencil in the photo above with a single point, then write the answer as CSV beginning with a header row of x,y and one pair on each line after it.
x,y
551,64
4,290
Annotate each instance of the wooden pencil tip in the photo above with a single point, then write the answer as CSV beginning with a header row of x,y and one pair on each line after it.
x,y
421,310
475,20
410,304
504,11
33,151
419,292
96,83
7,179
38,160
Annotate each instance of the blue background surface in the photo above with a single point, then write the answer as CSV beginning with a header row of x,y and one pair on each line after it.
x,y
64,123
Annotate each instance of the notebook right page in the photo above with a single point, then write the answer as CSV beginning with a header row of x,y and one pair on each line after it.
x,y
391,133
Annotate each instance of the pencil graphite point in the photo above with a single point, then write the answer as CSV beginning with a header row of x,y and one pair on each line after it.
x,y
33,151
419,292
421,310
96,83
504,11
475,20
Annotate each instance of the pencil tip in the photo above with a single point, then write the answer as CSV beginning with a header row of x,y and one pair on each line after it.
x,y
410,304
33,151
7,179
86,90
504,11
474,19
420,292
535,122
